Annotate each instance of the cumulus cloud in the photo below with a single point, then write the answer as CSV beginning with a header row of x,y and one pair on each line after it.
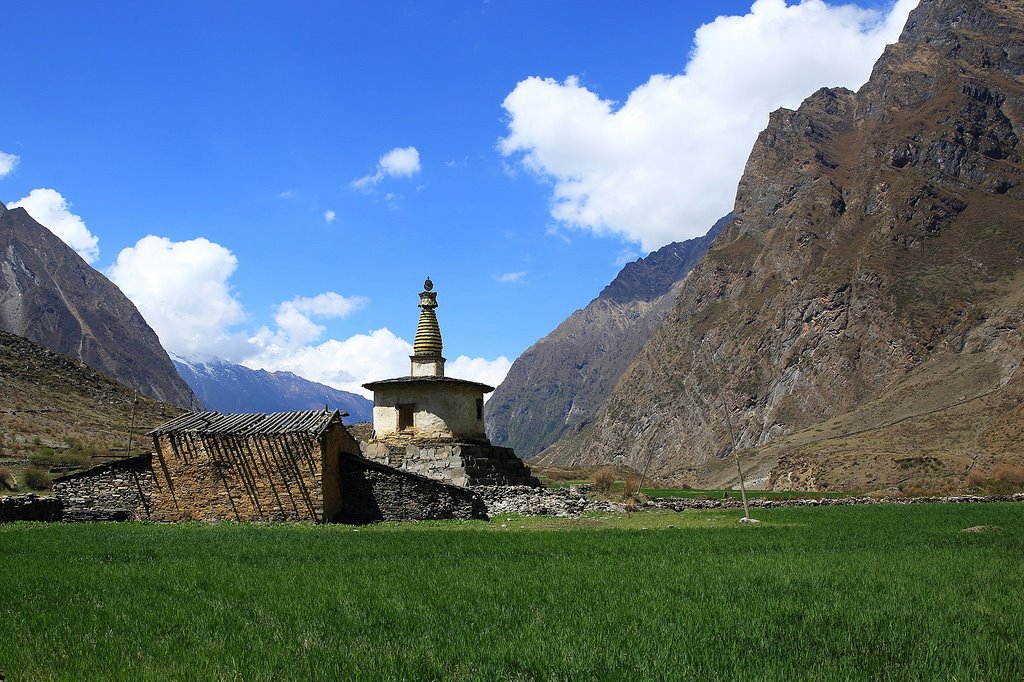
x,y
345,364
490,372
7,163
664,165
400,162
53,211
510,277
182,290
329,216
295,326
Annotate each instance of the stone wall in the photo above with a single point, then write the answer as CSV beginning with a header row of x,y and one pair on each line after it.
x,y
118,491
465,464
373,492
250,478
29,508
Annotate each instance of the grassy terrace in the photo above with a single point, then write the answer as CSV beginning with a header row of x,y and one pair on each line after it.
x,y
832,593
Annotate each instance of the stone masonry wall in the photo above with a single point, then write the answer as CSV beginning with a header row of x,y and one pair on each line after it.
x,y
251,478
373,492
29,508
464,464
118,491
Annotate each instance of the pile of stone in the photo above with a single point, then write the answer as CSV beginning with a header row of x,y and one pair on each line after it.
x,y
682,504
531,501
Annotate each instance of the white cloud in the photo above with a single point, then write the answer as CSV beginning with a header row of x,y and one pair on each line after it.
x,y
507,277
329,216
182,290
490,372
53,211
400,162
287,194
345,365
664,165
8,162
349,363
295,327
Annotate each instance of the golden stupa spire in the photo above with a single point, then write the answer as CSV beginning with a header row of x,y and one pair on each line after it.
x,y
426,348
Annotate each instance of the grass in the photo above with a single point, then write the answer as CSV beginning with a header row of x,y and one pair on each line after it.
x,y
885,592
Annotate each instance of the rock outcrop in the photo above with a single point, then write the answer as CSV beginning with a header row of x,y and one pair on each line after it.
x,y
558,385
858,324
51,296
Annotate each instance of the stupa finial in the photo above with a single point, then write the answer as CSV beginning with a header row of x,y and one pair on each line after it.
x,y
426,348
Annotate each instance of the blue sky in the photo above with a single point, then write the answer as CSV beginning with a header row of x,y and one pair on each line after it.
x,y
271,182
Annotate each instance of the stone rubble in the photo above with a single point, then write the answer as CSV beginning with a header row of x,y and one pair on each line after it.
x,y
682,504
530,501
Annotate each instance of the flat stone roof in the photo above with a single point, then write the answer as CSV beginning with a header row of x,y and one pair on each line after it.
x,y
400,381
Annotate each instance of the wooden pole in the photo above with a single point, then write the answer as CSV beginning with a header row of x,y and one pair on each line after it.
x,y
732,431
131,429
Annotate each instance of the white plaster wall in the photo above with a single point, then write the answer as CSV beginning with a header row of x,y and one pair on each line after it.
x,y
442,410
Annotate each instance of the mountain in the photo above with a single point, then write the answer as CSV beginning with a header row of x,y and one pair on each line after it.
x,y
51,296
226,387
49,400
559,383
858,324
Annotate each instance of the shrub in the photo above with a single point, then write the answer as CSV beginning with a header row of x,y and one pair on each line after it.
x,y
603,480
7,480
38,479
631,486
1010,473
43,456
48,457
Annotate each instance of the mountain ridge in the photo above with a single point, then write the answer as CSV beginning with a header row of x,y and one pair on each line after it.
x,y
229,387
557,385
877,238
49,295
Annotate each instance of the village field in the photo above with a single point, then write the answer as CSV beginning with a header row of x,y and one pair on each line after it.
x,y
916,592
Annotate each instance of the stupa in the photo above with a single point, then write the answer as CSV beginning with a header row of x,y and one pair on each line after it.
x,y
433,425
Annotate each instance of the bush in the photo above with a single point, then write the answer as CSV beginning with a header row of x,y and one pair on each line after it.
x,y
1010,473
603,480
7,480
631,486
48,457
38,479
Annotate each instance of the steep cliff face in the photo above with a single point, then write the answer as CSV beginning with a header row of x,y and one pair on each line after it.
x,y
872,279
227,387
49,295
559,383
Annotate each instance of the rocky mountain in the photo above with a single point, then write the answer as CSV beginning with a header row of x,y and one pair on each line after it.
x,y
559,383
859,323
226,387
49,400
51,296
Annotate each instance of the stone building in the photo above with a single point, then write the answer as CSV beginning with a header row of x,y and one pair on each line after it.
x,y
433,425
249,467
285,466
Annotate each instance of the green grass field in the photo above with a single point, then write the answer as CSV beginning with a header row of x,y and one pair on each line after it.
x,y
879,592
